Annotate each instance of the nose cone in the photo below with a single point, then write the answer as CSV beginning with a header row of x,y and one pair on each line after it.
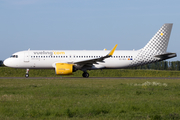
x,y
7,62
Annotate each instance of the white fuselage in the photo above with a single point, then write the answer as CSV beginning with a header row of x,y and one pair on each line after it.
x,y
48,58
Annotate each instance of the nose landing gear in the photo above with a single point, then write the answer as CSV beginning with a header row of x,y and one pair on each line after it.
x,y
27,73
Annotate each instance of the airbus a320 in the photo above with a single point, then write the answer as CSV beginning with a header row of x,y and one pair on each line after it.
x,y
65,62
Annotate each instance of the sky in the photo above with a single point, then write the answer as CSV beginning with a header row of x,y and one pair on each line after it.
x,y
85,24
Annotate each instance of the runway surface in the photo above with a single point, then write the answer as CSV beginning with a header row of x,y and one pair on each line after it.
x,y
90,78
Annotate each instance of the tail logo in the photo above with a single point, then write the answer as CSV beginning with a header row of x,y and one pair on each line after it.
x,y
156,46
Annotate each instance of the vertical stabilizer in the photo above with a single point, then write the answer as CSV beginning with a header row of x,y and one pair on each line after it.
x,y
155,48
158,44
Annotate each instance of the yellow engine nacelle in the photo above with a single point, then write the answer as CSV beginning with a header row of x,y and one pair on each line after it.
x,y
63,69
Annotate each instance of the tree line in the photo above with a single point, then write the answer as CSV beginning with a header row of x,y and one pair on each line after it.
x,y
162,65
1,62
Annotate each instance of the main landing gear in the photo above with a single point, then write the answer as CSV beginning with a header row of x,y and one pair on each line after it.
x,y
85,75
27,73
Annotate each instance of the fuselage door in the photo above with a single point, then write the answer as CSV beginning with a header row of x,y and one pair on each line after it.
x,y
26,57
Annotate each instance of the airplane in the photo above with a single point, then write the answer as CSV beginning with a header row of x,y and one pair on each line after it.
x,y
65,62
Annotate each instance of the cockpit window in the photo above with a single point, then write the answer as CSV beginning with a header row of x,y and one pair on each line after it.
x,y
14,56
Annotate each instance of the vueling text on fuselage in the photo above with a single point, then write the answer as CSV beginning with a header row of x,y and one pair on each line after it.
x,y
49,53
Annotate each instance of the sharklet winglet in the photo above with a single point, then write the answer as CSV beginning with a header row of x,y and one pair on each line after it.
x,y
112,51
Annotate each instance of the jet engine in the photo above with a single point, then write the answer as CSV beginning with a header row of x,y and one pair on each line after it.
x,y
64,69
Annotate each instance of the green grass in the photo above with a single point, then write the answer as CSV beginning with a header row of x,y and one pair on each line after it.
x,y
89,99
11,72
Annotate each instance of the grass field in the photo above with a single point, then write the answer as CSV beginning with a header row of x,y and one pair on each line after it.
x,y
11,72
123,99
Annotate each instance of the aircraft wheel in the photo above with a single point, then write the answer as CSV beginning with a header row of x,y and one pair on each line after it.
x,y
85,75
27,75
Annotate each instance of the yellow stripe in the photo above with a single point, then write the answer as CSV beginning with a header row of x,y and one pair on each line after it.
x,y
112,51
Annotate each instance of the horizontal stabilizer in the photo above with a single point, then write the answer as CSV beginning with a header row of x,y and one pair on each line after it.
x,y
166,56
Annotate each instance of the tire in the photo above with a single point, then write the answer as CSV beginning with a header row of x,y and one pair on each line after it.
x,y
85,75
27,75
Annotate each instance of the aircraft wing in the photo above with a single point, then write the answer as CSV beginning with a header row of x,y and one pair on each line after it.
x,y
93,61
